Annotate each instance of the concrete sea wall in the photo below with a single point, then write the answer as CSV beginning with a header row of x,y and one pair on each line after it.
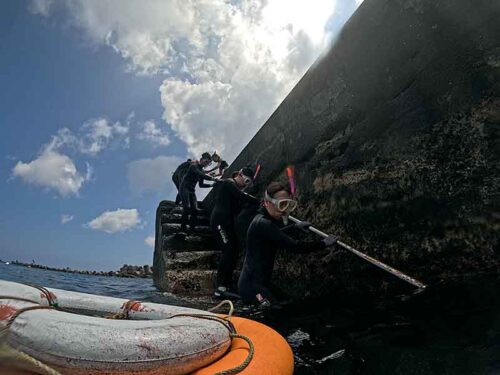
x,y
394,135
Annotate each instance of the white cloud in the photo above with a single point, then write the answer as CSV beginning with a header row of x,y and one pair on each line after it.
x,y
120,220
52,171
263,49
93,137
152,133
130,118
63,137
150,241
228,64
66,218
97,134
152,174
41,7
142,33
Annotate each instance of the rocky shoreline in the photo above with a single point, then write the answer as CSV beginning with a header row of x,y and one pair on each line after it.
x,y
126,270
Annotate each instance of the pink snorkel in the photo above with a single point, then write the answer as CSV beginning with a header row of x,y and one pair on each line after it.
x,y
291,180
257,170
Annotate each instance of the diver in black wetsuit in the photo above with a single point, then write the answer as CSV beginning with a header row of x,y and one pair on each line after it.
x,y
177,177
244,218
228,202
248,211
187,187
265,236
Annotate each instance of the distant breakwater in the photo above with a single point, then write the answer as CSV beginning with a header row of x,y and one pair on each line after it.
x,y
126,270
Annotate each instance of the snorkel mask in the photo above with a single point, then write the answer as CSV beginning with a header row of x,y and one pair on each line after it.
x,y
246,174
246,180
286,205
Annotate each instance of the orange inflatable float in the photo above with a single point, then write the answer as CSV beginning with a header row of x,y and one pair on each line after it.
x,y
272,356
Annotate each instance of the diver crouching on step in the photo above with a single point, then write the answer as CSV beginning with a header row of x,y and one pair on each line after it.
x,y
265,236
229,199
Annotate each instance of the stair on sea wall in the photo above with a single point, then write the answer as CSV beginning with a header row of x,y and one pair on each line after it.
x,y
185,263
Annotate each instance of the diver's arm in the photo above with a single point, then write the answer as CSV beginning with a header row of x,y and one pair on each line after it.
x,y
242,196
290,244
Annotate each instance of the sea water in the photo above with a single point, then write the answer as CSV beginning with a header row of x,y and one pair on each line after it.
x,y
450,329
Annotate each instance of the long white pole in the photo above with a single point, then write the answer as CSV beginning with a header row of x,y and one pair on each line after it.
x,y
368,258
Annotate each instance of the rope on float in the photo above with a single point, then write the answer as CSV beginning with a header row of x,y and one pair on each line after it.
x,y
233,334
225,302
19,299
226,322
246,362
51,298
8,352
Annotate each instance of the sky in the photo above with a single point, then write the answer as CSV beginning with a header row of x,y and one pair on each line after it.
x,y
100,100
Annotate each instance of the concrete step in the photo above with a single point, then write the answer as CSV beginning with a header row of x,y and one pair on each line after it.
x,y
175,218
199,260
166,206
178,210
173,228
190,282
179,243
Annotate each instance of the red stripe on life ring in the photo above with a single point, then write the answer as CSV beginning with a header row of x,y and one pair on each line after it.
x,y
6,312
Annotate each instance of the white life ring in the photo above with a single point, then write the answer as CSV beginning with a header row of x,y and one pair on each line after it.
x,y
147,343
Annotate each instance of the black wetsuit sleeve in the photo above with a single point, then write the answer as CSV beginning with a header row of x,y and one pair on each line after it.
x,y
204,185
202,176
288,228
288,243
244,197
